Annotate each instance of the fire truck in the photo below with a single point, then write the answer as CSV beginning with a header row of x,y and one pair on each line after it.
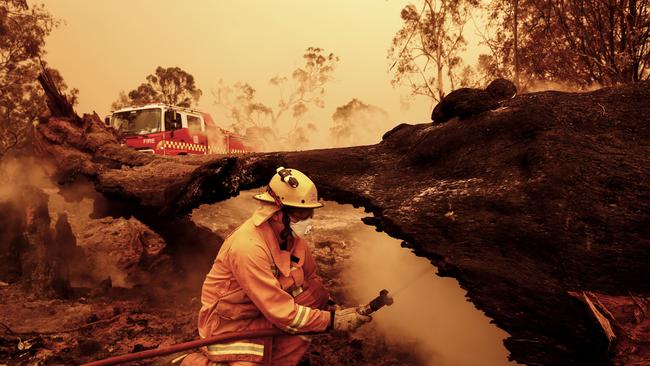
x,y
171,130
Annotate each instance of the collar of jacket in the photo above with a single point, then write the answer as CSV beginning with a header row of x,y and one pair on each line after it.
x,y
282,258
263,212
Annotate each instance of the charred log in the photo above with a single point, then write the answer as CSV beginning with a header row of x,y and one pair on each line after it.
x,y
467,102
12,240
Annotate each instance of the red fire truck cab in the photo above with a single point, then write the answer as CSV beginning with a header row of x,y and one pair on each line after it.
x,y
171,130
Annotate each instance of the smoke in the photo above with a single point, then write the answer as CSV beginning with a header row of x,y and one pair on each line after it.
x,y
89,260
216,141
358,123
265,138
224,217
355,123
18,205
35,245
428,309
123,249
76,201
16,173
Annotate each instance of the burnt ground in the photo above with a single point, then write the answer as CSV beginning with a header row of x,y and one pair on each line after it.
x,y
534,207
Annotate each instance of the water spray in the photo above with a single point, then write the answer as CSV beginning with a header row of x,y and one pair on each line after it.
x,y
413,279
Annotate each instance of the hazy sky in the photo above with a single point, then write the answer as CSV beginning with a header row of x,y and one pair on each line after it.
x,y
108,46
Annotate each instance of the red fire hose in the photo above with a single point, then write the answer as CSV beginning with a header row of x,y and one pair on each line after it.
x,y
260,333
377,303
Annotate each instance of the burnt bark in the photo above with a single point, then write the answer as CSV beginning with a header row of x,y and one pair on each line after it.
x,y
57,103
12,240
547,196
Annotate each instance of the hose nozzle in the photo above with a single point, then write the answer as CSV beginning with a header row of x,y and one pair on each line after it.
x,y
377,303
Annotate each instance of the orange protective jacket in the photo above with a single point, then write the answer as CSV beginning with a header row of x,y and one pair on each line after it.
x,y
252,285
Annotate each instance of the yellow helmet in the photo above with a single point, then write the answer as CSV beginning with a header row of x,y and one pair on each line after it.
x,y
292,188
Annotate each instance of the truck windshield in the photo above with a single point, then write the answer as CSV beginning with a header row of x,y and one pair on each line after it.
x,y
138,122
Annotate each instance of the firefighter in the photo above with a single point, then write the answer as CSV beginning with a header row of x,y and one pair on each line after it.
x,y
264,276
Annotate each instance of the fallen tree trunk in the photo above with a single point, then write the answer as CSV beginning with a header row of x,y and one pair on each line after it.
x,y
546,196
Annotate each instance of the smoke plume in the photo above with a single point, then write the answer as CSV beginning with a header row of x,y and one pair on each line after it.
x,y
428,309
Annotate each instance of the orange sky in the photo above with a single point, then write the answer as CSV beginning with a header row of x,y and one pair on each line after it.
x,y
108,46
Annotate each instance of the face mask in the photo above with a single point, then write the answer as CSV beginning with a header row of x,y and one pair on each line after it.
x,y
303,227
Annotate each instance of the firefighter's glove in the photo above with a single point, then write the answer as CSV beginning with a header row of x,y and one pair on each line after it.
x,y
348,320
